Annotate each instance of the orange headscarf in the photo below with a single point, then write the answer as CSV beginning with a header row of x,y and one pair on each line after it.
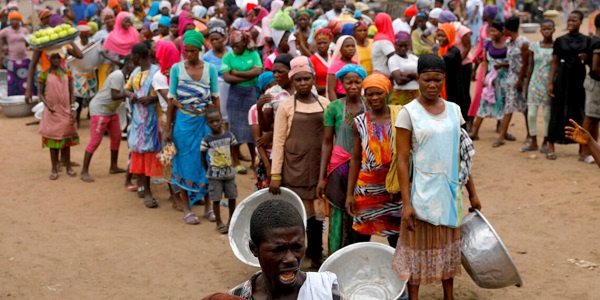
x,y
113,3
15,15
450,32
379,81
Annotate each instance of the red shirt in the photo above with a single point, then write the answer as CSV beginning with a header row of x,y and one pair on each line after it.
x,y
320,70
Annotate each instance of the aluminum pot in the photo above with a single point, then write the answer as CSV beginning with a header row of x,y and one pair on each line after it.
x,y
239,226
530,27
364,272
484,256
15,106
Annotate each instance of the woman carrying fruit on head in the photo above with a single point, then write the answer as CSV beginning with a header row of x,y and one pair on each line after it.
x,y
16,62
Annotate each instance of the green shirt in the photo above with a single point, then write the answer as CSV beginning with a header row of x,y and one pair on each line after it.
x,y
334,116
242,63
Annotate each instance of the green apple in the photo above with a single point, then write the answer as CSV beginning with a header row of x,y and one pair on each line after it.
x,y
57,29
37,34
53,36
43,39
71,30
33,40
65,26
62,34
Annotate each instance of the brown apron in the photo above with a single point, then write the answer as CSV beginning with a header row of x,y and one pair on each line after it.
x,y
302,156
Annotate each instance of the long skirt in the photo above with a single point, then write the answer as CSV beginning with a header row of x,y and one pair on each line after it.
x,y
17,77
478,90
188,173
429,254
239,102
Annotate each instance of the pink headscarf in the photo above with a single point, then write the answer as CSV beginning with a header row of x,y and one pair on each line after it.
x,y
184,21
385,30
300,64
261,15
166,55
337,54
119,40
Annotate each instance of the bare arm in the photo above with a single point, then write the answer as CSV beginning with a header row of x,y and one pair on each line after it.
x,y
473,198
326,149
524,66
403,140
355,163
229,78
596,63
402,78
553,70
32,67
75,51
466,41
204,162
331,85
169,125
247,75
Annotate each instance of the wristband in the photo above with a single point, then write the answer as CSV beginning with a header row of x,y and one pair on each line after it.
x,y
276,177
72,104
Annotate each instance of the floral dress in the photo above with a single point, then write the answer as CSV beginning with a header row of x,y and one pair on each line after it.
x,y
538,84
514,100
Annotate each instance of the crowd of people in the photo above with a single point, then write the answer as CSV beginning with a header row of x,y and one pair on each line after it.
x,y
368,119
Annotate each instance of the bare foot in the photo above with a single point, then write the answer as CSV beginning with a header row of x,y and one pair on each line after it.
x,y
86,177
71,173
116,170
53,176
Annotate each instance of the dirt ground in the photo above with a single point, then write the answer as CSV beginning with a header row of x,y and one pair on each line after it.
x,y
67,239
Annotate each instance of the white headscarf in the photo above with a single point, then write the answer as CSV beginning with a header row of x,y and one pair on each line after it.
x,y
164,4
180,6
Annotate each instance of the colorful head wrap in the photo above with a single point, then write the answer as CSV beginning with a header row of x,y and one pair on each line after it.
x,y
422,14
490,11
250,6
83,27
114,3
165,21
121,40
324,32
360,24
335,26
216,22
154,9
194,38
243,35
337,53
435,13
56,20
219,30
300,64
44,13
447,17
316,25
308,12
411,11
430,63
348,29
423,4
351,68
146,25
15,15
402,36
372,31
378,81
93,27
450,33
153,26
166,55
385,30
265,79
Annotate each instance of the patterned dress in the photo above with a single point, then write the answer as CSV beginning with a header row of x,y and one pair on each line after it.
x,y
376,210
487,109
514,100
538,84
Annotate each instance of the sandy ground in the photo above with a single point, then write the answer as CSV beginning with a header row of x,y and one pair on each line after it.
x,y
71,240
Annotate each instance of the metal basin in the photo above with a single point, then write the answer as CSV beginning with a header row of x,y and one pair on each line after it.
x,y
15,106
484,256
364,272
530,27
91,58
239,226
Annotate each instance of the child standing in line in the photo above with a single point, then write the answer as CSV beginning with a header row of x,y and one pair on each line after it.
x,y
219,171
537,94
57,126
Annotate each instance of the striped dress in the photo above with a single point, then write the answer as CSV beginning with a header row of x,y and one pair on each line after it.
x,y
376,210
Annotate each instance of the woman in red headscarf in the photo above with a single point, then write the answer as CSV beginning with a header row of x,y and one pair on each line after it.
x,y
453,89
383,44
123,37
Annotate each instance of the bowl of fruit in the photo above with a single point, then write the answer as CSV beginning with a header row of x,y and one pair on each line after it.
x,y
48,38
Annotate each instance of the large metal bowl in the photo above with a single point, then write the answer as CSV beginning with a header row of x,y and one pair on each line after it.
x,y
530,27
484,256
15,106
364,272
239,226
92,56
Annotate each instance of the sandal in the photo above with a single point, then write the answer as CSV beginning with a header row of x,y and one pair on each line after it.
x,y
498,143
510,137
140,192
71,173
527,148
210,216
150,202
53,176
551,156
241,169
589,160
191,219
544,149
131,188
223,229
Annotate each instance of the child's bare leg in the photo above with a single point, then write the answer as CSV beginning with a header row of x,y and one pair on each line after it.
x,y
128,177
85,175
448,286
66,151
216,206
149,201
252,150
54,162
231,210
114,158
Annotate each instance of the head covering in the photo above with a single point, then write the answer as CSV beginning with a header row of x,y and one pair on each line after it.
x,y
44,13
277,36
337,54
361,24
184,21
435,13
447,16
450,32
308,12
166,55
265,79
348,29
423,4
199,11
250,6
216,22
119,40
372,31
430,63
324,32
219,30
498,26
105,13
165,4
490,11
15,15
260,16
379,81
153,26
154,9
335,26
12,4
165,21
56,20
93,27
512,24
402,36
316,25
180,7
284,59
243,35
114,3
351,68
146,25
83,27
422,14
385,30
411,11
194,38
300,64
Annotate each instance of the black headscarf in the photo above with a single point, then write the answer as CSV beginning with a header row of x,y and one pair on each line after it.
x,y
284,59
431,63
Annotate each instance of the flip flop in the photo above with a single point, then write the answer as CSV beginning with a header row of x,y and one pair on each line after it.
x,y
191,219
241,169
527,148
544,149
589,160
498,143
551,156
222,229
140,192
150,202
210,216
53,176
510,137
131,188
71,173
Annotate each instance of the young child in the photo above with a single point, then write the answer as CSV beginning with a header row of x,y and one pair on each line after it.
x,y
85,83
537,93
57,126
219,171
262,174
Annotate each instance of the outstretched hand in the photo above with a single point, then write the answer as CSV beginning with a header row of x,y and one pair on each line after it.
x,y
577,133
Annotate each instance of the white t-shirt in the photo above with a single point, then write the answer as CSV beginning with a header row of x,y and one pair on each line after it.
x,y
409,64
102,104
400,25
159,82
379,52
331,15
